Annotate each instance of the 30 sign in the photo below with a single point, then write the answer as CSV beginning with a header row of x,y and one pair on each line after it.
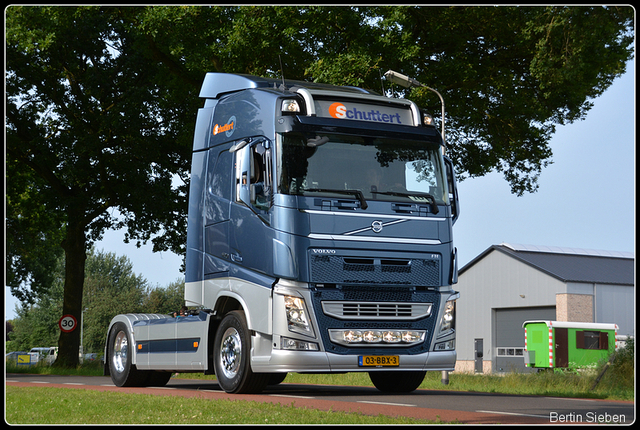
x,y
67,323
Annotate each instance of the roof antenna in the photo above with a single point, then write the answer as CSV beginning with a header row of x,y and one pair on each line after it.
x,y
284,87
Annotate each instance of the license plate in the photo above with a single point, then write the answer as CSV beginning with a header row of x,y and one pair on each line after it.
x,y
378,361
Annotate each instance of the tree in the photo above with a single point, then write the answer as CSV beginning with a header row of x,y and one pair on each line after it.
x,y
36,324
110,287
165,300
509,75
101,102
88,130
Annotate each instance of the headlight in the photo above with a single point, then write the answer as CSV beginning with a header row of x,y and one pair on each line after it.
x,y
448,321
297,317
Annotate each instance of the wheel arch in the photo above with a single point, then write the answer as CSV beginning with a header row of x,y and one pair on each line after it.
x,y
230,301
128,320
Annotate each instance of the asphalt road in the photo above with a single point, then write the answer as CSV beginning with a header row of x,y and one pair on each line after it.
x,y
446,406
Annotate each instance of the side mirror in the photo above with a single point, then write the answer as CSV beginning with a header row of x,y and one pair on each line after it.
x,y
453,189
243,175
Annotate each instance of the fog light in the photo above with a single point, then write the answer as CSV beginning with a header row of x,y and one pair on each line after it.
x,y
445,346
297,345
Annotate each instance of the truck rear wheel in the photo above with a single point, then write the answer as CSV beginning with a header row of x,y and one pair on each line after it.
x,y
397,382
231,357
157,378
120,354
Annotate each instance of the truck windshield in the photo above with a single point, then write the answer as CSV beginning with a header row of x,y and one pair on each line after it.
x,y
363,167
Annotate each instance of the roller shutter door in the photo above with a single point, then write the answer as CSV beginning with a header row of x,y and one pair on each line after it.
x,y
509,350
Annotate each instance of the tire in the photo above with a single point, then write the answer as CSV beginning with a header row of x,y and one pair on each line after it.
x,y
276,378
397,382
231,357
123,372
157,378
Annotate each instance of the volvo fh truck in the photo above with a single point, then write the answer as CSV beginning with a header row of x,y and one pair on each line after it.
x,y
319,241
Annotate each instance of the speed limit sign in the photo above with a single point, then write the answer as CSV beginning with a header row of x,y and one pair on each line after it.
x,y
67,323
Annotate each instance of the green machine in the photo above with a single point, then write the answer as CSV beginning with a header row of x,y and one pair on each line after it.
x,y
562,344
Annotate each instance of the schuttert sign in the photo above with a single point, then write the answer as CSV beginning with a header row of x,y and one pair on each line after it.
x,y
363,112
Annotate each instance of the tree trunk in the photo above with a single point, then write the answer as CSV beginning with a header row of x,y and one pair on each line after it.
x,y
74,246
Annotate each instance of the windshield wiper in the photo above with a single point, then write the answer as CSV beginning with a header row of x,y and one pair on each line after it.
x,y
432,200
357,193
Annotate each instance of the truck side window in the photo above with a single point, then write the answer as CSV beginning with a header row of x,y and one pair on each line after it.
x,y
219,173
253,176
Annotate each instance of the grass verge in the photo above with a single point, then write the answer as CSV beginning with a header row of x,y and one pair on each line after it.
x,y
45,405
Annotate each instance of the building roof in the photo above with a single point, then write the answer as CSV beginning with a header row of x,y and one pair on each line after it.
x,y
570,264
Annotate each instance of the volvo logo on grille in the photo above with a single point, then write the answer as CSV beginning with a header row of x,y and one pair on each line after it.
x,y
323,251
376,226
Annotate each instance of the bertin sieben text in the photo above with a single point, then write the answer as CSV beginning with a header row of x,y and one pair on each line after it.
x,y
588,417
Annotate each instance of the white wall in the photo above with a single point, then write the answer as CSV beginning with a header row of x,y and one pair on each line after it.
x,y
497,281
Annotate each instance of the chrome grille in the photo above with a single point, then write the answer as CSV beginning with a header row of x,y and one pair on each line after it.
x,y
376,310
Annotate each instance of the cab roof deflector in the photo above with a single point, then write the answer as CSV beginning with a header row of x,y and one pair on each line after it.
x,y
216,84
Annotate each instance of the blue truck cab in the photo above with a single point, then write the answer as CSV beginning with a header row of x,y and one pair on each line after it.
x,y
319,241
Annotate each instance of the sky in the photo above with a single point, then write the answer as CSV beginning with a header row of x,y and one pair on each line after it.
x,y
586,199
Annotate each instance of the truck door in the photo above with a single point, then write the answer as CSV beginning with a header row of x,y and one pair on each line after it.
x,y
250,243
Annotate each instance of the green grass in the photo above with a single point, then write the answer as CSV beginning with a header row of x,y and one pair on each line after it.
x,y
88,369
45,405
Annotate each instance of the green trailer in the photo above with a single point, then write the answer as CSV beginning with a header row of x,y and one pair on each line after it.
x,y
562,344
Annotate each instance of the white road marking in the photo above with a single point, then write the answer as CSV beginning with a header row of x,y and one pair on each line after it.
x,y
571,398
512,413
385,403
293,397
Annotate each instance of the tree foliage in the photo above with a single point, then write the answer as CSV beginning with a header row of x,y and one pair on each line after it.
x,y
89,123
110,288
509,75
101,102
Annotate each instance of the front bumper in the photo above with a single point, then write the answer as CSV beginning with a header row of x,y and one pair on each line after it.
x,y
323,362
269,355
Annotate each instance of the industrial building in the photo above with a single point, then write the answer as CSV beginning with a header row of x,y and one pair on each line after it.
x,y
508,284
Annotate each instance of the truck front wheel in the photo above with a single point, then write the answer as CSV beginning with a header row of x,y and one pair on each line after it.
x,y
397,382
231,357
